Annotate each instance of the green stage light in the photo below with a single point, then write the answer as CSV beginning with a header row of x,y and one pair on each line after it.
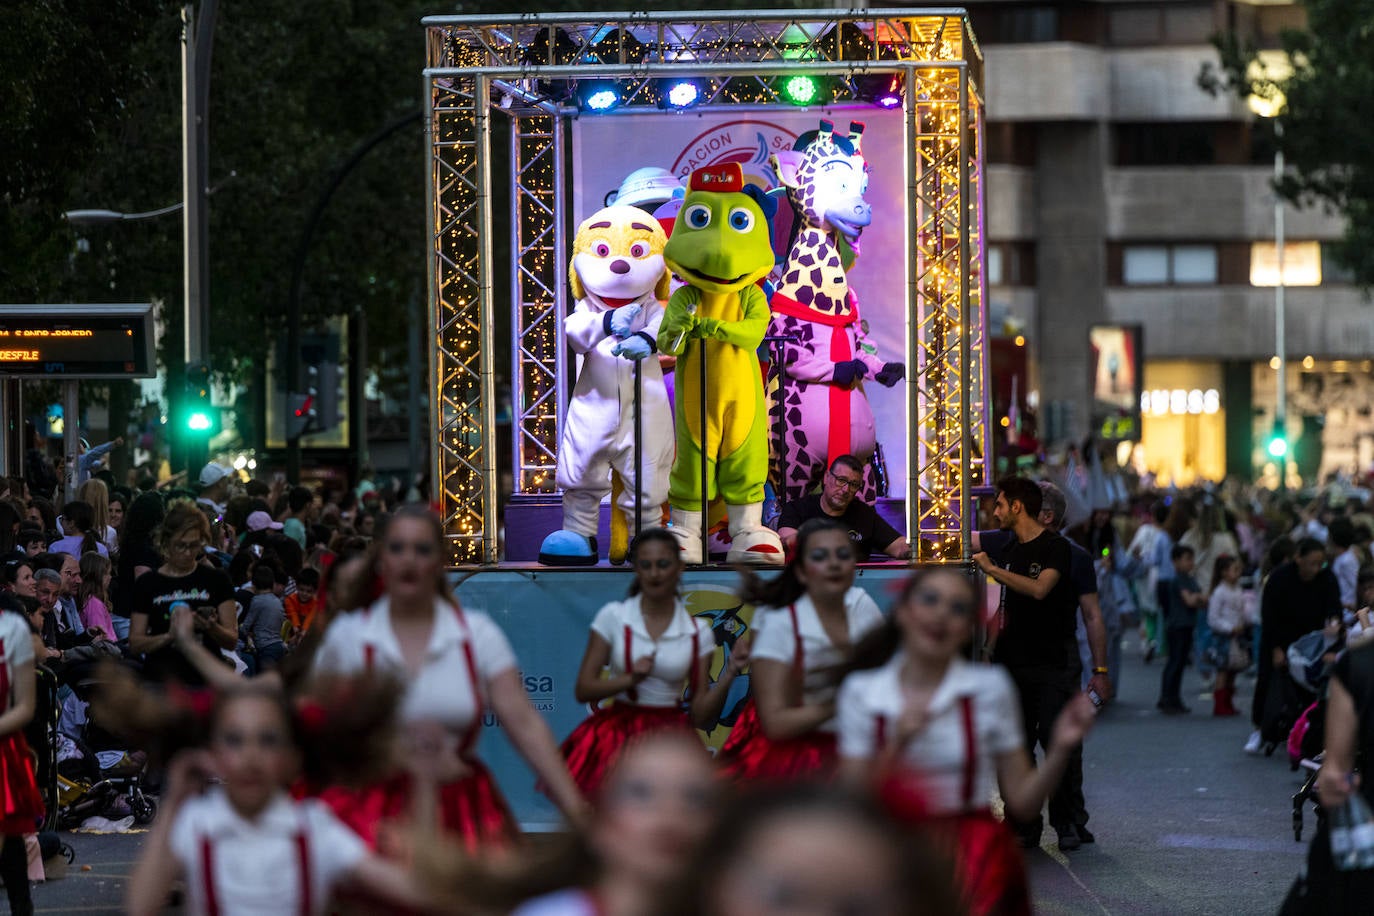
x,y
801,90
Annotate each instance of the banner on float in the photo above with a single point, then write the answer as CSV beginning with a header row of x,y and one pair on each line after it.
x,y
607,149
547,616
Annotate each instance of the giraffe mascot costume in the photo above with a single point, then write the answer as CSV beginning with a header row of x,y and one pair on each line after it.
x,y
721,247
824,409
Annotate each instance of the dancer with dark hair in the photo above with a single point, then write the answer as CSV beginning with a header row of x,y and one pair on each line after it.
x,y
653,649
809,849
21,805
916,717
807,620
243,844
657,804
455,664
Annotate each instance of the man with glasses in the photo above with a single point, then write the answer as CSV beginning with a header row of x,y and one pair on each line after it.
x,y
866,528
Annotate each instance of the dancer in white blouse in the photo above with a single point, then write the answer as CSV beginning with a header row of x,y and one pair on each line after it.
x,y
657,654
813,616
453,663
917,718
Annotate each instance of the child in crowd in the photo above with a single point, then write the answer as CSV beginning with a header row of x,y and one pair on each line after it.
x,y
93,596
304,603
264,619
243,845
1180,620
1230,614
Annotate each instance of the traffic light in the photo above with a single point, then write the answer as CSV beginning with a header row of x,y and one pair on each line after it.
x,y
199,413
303,405
1278,442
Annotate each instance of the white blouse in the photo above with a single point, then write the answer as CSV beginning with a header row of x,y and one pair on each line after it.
x,y
778,641
1230,609
621,623
16,648
870,703
293,852
446,689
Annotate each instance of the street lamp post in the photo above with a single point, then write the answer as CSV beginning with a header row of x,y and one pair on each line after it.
x,y
1269,71
1280,344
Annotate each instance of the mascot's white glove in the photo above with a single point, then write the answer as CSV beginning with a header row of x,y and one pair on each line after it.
x,y
623,318
635,348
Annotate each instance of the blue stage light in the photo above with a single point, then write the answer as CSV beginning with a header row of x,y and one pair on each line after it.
x,y
598,96
680,94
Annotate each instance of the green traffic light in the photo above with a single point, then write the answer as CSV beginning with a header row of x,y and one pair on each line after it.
x,y
199,421
1278,447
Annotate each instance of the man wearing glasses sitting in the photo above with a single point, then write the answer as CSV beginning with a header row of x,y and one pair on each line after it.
x,y
867,529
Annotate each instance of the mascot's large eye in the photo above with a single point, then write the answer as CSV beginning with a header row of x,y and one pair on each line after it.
x,y
639,250
741,219
601,248
698,216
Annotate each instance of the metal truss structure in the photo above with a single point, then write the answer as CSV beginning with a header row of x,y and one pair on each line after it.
x,y
526,68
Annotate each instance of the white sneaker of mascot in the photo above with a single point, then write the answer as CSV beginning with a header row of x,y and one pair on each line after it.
x,y
618,277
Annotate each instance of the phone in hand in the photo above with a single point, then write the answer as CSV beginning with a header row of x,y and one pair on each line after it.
x,y
1095,697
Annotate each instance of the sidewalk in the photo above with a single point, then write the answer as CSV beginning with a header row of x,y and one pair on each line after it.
x,y
1186,822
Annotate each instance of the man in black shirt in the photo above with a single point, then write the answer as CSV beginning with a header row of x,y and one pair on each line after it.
x,y
867,529
1036,642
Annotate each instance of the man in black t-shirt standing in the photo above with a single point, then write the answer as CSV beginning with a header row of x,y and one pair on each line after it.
x,y
1037,642
836,501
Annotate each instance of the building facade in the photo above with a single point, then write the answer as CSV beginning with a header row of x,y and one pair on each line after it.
x,y
1122,194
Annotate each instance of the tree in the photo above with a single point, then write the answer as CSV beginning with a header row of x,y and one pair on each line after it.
x,y
1327,142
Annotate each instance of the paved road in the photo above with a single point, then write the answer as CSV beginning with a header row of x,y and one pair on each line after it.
x,y
1186,823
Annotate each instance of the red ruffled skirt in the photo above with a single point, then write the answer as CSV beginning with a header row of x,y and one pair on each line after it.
x,y
748,755
471,809
597,743
21,804
990,866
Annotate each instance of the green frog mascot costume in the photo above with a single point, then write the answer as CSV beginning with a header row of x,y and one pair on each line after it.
x,y
720,247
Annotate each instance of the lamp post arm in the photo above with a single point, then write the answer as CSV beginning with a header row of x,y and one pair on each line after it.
x,y
293,310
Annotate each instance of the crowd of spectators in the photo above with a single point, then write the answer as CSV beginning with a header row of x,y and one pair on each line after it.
x,y
247,555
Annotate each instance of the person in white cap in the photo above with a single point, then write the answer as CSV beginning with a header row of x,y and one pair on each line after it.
x,y
214,488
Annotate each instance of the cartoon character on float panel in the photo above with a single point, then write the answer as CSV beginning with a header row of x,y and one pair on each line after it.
x,y
618,275
720,247
824,410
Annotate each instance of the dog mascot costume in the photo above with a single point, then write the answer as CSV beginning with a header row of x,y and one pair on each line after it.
x,y
618,277
822,400
721,248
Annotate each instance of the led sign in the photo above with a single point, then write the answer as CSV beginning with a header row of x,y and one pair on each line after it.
x,y
77,341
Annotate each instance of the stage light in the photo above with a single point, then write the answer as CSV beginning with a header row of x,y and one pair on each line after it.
x,y
679,94
801,90
881,89
598,96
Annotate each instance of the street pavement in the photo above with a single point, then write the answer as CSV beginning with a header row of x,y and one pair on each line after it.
x,y
1186,823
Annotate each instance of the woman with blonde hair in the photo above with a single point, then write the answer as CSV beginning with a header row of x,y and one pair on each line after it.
x,y
95,492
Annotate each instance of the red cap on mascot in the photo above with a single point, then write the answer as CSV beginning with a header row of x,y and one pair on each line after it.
x,y
725,177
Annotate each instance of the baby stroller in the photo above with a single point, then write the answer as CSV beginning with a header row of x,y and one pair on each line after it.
x,y
95,778
41,733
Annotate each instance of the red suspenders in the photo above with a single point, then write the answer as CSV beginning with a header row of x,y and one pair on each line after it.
x,y
632,693
798,650
970,768
469,737
207,867
970,750
4,676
